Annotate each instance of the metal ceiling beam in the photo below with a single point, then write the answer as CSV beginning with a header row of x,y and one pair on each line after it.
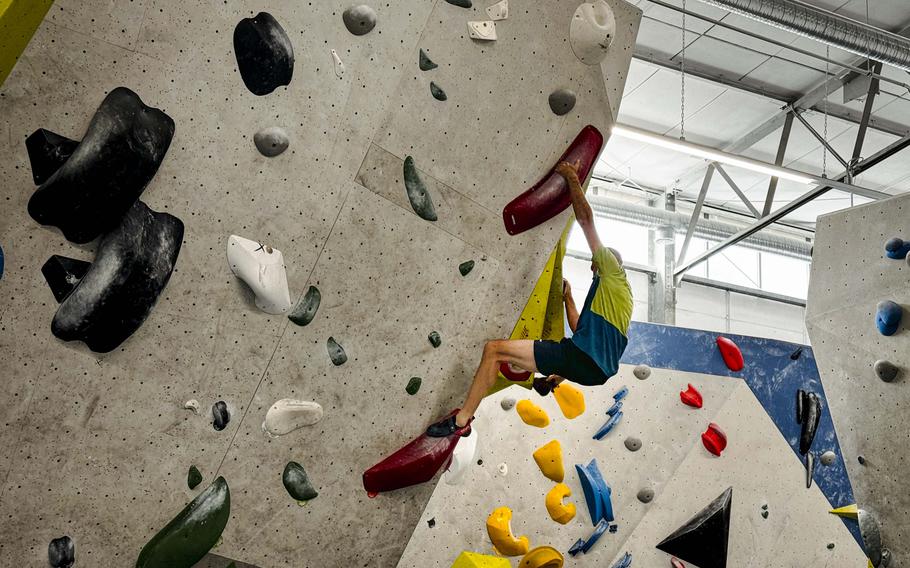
x,y
742,196
772,218
778,161
696,214
821,139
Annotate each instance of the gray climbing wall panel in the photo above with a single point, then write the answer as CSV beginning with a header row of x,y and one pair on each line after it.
x,y
850,276
98,446
758,463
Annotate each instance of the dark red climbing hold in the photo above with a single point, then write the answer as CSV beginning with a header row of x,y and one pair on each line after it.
x,y
676,563
516,375
714,439
550,196
417,462
703,540
733,357
691,397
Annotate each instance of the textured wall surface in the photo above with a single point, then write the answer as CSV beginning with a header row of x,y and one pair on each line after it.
x,y
18,21
850,276
97,446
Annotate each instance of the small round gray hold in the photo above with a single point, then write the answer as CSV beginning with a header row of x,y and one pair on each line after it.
x,y
828,458
641,372
507,403
886,370
632,444
271,141
562,101
359,20
646,495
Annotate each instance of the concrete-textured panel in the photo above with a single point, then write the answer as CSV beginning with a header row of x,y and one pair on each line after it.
x,y
850,276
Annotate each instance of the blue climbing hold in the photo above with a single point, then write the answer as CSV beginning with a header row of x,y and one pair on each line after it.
x,y
597,492
621,394
609,425
624,562
888,317
599,530
897,248
576,548
617,406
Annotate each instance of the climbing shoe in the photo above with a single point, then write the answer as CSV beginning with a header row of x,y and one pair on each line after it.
x,y
447,427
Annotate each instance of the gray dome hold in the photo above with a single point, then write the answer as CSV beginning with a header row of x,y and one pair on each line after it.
x,y
641,372
507,403
359,20
646,495
632,444
562,101
828,458
271,141
886,370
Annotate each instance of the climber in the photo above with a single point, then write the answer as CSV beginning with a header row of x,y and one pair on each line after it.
x,y
591,355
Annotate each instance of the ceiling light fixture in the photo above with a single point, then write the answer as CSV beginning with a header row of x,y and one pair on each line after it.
x,y
712,154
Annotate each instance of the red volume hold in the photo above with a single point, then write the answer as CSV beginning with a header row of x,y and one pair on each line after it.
x,y
550,195
714,439
691,397
514,374
733,357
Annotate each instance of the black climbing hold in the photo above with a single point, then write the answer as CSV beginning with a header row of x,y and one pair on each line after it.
x,y
420,199
413,385
192,533
437,92
1,262
61,552
764,507
479,462
613,528
703,540
132,266
830,546
466,267
425,63
90,192
812,411
63,274
796,354
264,53
193,477
460,3
800,401
562,101
645,495
47,151
297,482
305,310
359,20
861,460
432,522
336,352
434,338
764,514
886,370
810,469
220,415
271,141
542,386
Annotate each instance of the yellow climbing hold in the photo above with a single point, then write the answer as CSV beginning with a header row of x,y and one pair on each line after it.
x,y
560,512
549,460
474,560
532,414
500,530
848,512
571,400
542,557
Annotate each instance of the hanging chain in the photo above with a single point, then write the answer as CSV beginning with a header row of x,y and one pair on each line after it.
x,y
682,104
825,133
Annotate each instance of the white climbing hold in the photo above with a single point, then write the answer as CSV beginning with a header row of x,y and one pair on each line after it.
x,y
288,414
462,458
592,31
192,404
262,269
828,458
503,468
485,31
339,64
499,10
507,403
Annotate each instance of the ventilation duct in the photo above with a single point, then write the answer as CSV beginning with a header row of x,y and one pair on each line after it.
x,y
824,26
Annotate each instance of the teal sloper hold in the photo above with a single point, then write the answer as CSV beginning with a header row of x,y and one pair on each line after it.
x,y
413,385
424,61
297,482
193,477
437,92
417,192
460,3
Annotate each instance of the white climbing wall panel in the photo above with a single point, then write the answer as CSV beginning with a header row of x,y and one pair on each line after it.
x,y
850,276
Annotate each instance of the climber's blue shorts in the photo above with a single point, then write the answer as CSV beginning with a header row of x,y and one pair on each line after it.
x,y
565,359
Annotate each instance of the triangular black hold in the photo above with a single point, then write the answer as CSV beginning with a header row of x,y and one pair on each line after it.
x,y
47,151
63,274
703,540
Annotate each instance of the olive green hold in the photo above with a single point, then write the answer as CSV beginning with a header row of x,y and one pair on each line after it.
x,y
305,310
764,514
460,3
418,195
437,92
434,338
413,385
466,267
193,477
297,483
425,63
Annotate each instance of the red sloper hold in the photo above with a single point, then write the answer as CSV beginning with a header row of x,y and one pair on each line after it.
x,y
415,463
676,563
550,196
733,357
714,439
691,397
516,375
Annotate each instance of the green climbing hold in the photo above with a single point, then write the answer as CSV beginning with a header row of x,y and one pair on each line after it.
x,y
413,385
297,483
305,310
417,192
434,338
460,3
437,92
425,63
192,533
193,477
466,267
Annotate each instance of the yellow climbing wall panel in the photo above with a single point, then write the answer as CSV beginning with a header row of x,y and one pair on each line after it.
x,y
18,21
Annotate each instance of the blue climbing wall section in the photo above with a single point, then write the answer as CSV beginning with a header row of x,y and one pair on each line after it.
x,y
771,374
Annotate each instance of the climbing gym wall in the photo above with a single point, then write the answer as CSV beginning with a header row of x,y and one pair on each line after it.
x,y
852,274
18,21
655,463
99,445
